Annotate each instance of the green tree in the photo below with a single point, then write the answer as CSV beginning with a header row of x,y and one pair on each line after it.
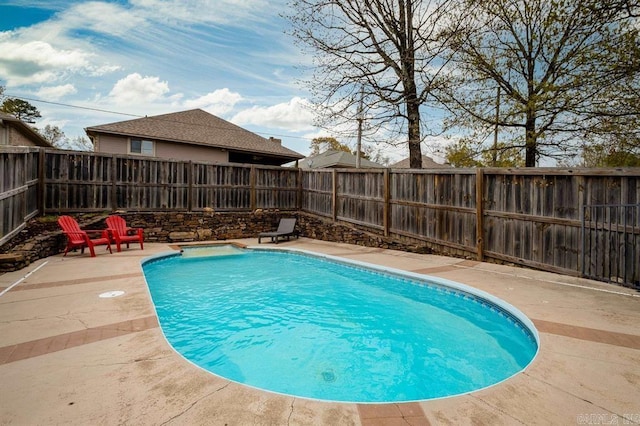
x,y
21,109
465,153
377,59
559,66
602,155
326,143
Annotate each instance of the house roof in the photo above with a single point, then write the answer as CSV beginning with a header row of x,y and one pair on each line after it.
x,y
427,163
25,129
335,159
197,127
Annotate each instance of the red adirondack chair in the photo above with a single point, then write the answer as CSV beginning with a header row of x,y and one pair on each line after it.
x,y
78,238
120,233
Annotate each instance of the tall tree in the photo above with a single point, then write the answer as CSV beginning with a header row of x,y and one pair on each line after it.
x,y
53,134
465,153
21,109
78,143
556,64
608,155
382,54
326,143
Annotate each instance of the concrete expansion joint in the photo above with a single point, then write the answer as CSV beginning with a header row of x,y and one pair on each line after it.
x,y
226,385
403,417
68,316
573,395
193,404
150,359
498,409
293,401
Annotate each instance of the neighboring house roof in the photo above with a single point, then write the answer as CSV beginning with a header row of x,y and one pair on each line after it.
x,y
335,159
197,127
24,129
427,163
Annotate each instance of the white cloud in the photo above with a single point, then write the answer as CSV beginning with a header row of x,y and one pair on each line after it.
x,y
54,49
218,102
38,62
136,89
201,11
56,92
294,115
100,17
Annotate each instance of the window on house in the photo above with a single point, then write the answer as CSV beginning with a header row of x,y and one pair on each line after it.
x,y
141,146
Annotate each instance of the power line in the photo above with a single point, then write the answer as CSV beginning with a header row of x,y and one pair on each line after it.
x,y
24,98
142,116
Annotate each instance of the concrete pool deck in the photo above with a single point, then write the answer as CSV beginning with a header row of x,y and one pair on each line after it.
x,y
68,356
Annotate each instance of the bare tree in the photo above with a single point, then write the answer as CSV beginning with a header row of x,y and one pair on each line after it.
x,y
53,134
558,64
385,52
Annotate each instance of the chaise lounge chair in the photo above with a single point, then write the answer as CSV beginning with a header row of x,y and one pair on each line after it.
x,y
286,228
77,238
120,233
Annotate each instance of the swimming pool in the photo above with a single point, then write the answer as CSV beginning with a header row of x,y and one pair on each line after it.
x,y
321,328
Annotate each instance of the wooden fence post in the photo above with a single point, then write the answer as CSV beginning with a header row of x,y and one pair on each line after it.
x,y
480,214
299,192
190,187
42,155
252,189
582,201
334,196
114,171
387,207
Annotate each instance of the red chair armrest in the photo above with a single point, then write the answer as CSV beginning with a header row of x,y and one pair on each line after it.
x,y
104,233
134,231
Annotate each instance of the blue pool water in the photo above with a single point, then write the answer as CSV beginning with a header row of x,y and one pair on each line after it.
x,y
311,327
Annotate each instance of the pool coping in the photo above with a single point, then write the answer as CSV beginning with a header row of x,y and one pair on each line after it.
x,y
114,366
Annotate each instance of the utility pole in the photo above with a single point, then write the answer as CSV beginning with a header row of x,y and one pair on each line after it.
x,y
360,120
494,154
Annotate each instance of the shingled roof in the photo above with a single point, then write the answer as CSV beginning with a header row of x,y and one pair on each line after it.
x,y
336,159
427,163
197,127
24,129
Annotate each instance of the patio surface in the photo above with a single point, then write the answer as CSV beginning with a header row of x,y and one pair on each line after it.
x,y
70,357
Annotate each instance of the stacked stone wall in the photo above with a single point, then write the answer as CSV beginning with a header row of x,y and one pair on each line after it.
x,y
36,241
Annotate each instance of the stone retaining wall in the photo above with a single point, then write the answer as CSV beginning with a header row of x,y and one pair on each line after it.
x,y
196,226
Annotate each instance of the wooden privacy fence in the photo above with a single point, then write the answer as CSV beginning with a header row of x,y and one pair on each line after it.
x,y
78,181
19,184
611,242
530,217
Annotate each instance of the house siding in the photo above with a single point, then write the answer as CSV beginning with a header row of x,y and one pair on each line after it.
x,y
11,136
110,144
191,152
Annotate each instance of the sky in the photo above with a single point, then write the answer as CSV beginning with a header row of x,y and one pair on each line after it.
x,y
87,63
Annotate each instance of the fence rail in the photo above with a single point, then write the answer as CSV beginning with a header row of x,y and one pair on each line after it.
x,y
531,217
